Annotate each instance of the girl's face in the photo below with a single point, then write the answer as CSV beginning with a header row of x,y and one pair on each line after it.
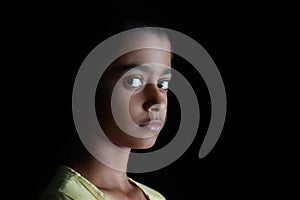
x,y
131,100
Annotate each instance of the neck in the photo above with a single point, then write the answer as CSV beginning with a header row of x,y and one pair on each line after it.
x,y
107,174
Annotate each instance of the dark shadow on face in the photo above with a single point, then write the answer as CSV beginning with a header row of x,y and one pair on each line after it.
x,y
138,104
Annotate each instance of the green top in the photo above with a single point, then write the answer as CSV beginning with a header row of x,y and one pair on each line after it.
x,y
70,185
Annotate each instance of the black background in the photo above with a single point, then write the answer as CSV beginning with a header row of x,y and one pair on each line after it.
x,y
54,39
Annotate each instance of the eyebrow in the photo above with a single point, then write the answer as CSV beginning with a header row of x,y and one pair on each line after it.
x,y
144,68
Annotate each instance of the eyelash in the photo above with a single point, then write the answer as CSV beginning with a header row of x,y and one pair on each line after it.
x,y
131,80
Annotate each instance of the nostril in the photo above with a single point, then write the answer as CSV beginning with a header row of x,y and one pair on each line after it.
x,y
157,108
154,109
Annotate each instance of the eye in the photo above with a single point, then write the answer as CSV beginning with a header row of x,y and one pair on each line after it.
x,y
163,85
134,82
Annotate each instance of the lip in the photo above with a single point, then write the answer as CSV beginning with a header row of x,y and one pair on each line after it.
x,y
153,125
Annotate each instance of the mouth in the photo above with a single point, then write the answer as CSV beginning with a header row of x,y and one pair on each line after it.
x,y
153,125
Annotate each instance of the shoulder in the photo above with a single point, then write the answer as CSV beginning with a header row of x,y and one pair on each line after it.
x,y
69,185
153,194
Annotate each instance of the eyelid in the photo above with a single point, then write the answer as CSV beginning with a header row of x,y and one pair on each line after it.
x,y
164,79
134,76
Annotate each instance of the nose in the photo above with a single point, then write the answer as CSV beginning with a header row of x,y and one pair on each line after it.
x,y
155,100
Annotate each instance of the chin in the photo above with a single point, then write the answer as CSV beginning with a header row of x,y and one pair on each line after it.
x,y
144,143
123,140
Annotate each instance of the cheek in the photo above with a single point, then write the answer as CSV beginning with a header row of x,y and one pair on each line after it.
x,y
136,108
120,103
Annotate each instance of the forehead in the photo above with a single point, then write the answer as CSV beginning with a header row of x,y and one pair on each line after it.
x,y
152,47
153,61
145,56
158,51
147,39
